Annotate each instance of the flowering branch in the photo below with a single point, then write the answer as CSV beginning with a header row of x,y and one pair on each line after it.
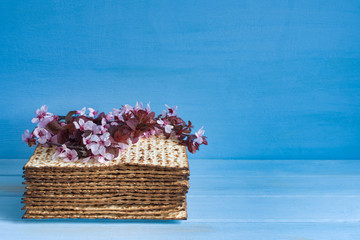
x,y
102,136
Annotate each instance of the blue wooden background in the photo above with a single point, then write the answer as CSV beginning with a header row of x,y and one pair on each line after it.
x,y
267,79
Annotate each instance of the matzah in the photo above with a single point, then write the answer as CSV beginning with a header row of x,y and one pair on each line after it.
x,y
147,181
154,152
177,215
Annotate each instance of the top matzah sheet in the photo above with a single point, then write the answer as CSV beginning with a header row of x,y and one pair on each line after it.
x,y
155,152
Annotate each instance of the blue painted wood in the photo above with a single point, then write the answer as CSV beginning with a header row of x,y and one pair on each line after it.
x,y
228,199
268,80
239,208
223,167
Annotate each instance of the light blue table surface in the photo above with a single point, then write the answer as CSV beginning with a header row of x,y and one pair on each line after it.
x,y
228,199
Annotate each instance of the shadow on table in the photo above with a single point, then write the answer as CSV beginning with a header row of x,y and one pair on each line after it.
x,y
10,210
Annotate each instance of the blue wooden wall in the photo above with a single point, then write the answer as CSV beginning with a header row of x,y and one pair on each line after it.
x,y
267,79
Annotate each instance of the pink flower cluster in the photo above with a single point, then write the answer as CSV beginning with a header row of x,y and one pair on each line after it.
x,y
102,136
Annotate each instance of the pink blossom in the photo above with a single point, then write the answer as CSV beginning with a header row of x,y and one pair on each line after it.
x,y
86,159
166,125
41,113
92,135
42,134
171,111
103,156
199,136
92,112
168,128
109,117
59,150
122,146
96,129
151,133
99,143
44,121
138,106
117,114
157,131
163,113
91,126
43,117
103,140
103,122
87,141
127,108
94,147
81,112
103,127
147,134
80,125
148,109
26,136
54,139
69,155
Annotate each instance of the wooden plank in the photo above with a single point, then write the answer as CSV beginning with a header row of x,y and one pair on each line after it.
x,y
83,229
279,80
228,199
12,166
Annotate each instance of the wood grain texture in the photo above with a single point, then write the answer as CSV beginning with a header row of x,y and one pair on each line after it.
x,y
268,80
228,199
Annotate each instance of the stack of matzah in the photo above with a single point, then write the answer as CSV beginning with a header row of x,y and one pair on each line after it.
x,y
147,181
